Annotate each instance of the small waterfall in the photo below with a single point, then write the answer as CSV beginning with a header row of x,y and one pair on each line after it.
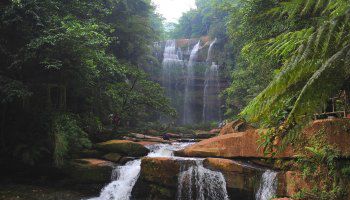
x,y
210,50
211,101
125,177
268,186
121,187
188,110
198,183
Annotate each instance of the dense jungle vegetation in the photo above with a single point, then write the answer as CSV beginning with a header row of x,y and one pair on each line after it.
x,y
67,66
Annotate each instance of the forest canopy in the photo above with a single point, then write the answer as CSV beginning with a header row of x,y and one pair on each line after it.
x,y
67,66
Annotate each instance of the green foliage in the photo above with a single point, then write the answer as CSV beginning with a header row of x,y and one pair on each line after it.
x,y
321,167
315,65
83,58
68,138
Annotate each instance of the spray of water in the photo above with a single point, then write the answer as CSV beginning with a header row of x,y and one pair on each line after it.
x,y
199,183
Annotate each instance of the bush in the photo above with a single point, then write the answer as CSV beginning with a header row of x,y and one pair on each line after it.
x,y
68,138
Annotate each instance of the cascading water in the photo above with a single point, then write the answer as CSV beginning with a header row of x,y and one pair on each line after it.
x,y
198,183
124,177
211,101
172,69
210,51
188,117
121,187
268,186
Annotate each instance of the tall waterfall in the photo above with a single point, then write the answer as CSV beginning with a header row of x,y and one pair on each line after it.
x,y
211,101
199,183
268,186
188,117
172,69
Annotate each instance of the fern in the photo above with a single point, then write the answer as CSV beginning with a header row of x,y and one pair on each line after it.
x,y
315,65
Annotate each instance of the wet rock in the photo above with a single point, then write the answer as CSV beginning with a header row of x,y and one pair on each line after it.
x,y
123,147
113,157
162,171
238,175
90,170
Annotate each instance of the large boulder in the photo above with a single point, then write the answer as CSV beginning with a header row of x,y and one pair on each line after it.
x,y
90,170
238,175
162,171
123,147
158,179
234,145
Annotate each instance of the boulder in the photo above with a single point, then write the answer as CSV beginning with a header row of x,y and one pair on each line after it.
x,y
238,175
113,157
123,147
234,145
161,171
90,170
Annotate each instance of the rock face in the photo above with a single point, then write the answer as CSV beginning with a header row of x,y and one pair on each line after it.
x,y
336,132
234,145
90,170
158,179
123,147
241,179
161,171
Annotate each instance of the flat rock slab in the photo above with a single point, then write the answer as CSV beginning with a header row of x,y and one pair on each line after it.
x,y
124,147
234,145
90,170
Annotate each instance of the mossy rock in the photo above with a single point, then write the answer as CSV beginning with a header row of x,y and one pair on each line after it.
x,y
90,153
90,170
123,147
113,157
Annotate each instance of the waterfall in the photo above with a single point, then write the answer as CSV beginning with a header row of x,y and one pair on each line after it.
x,y
268,186
125,177
172,69
188,117
210,50
199,183
121,187
211,101
171,66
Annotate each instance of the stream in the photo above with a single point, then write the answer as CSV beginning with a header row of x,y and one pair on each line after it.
x,y
195,182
